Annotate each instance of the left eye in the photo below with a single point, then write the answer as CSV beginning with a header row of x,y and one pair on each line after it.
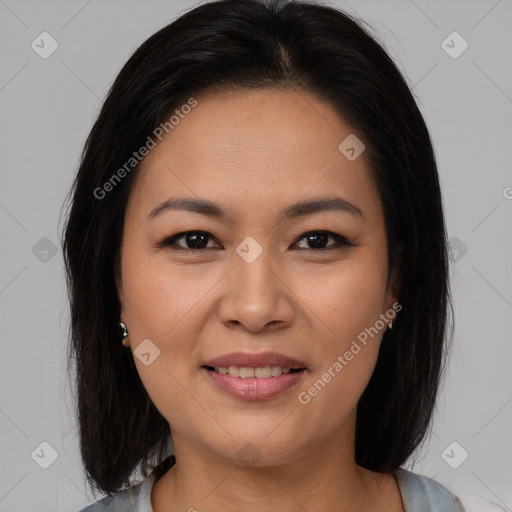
x,y
319,238
198,240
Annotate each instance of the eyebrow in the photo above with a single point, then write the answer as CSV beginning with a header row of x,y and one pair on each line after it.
x,y
211,209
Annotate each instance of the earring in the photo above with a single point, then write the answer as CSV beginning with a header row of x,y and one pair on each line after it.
x,y
125,334
391,325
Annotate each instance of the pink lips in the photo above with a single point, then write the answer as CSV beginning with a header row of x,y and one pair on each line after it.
x,y
253,388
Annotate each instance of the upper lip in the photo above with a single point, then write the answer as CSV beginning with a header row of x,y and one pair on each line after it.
x,y
245,359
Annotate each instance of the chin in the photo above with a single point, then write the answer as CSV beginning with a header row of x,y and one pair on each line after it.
x,y
257,450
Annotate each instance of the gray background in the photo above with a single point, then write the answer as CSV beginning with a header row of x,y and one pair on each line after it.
x,y
48,106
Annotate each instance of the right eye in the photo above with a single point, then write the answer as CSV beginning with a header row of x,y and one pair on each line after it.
x,y
194,240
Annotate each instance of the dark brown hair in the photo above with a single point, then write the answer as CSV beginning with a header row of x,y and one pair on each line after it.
x,y
258,44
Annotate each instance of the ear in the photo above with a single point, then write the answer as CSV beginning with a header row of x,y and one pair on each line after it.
x,y
395,283
120,294
119,283
393,291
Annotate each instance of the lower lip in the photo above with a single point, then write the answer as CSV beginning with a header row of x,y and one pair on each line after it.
x,y
253,388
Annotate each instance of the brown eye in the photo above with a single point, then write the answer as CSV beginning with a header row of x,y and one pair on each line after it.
x,y
317,240
193,240
198,240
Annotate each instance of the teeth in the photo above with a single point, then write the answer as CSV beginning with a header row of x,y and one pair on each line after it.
x,y
276,371
234,371
263,373
244,372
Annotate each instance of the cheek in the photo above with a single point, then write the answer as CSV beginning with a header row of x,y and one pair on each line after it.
x,y
343,370
346,309
160,298
345,300
329,398
163,313
158,309
166,304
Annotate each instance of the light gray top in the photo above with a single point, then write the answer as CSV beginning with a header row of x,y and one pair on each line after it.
x,y
419,494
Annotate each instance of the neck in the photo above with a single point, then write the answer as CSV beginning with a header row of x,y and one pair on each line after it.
x,y
323,477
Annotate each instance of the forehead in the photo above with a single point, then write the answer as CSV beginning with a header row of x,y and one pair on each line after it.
x,y
252,148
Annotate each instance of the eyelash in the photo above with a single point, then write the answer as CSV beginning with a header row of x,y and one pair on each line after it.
x,y
169,241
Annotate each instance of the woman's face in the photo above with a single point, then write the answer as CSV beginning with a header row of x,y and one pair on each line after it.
x,y
260,277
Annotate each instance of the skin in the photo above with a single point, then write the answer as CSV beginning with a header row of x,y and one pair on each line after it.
x,y
254,153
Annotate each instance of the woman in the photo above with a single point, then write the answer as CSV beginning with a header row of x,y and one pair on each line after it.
x,y
257,217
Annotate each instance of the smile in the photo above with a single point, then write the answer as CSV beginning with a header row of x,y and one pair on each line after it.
x,y
261,372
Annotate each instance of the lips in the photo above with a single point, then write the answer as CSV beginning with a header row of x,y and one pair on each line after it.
x,y
245,359
273,374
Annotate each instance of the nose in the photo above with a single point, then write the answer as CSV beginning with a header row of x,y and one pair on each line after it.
x,y
257,296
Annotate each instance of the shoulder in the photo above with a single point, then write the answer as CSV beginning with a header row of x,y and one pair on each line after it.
x,y
134,499
421,494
